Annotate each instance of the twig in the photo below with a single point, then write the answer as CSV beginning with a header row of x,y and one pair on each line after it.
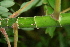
x,y
15,14
57,9
15,26
6,36
15,29
65,10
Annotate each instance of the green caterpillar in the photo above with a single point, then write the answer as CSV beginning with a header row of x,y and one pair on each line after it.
x,y
34,22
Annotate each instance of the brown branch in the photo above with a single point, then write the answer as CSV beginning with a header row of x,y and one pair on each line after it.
x,y
15,14
3,31
57,9
15,29
15,26
65,10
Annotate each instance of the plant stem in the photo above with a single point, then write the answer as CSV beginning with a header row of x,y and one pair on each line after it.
x,y
65,10
57,9
15,29
15,14
6,36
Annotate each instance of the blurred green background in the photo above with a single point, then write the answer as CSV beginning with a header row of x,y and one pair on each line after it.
x,y
34,37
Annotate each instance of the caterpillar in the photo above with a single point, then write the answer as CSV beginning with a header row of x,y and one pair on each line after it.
x,y
33,22
29,22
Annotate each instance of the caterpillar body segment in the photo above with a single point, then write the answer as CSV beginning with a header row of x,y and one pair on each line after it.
x,y
4,22
29,22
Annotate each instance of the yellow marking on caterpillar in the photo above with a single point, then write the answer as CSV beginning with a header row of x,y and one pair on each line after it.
x,y
0,22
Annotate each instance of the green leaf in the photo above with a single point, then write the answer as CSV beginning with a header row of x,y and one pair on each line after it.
x,y
7,3
2,40
44,1
8,0
29,5
49,10
6,14
11,39
45,41
52,3
23,4
50,31
67,28
39,44
61,40
0,3
28,29
10,31
39,3
3,10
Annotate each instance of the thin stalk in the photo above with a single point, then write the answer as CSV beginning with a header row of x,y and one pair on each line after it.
x,y
65,10
6,36
15,29
57,9
15,14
